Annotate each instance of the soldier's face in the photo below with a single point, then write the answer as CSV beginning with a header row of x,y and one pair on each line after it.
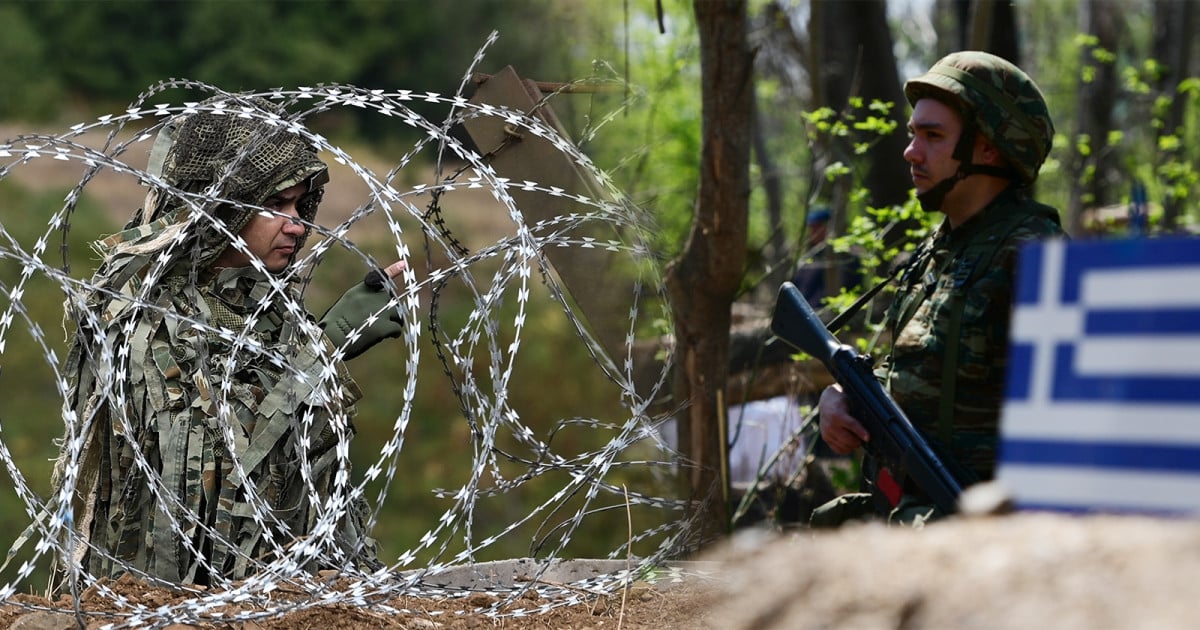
x,y
270,237
934,129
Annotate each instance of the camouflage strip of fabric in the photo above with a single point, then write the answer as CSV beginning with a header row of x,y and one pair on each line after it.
x,y
170,413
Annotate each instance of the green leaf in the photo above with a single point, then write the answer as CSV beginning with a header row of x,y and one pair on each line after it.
x,y
836,170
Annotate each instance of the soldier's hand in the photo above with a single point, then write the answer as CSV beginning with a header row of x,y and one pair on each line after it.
x,y
363,301
841,431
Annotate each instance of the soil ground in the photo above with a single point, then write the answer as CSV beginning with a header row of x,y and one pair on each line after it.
x,y
1028,570
640,608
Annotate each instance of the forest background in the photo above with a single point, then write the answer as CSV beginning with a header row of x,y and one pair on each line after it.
x,y
827,129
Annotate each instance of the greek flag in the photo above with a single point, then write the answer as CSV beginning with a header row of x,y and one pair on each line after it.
x,y
1102,409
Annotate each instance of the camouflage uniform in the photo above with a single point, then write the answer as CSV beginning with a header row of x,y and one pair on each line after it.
x,y
950,320
949,326
200,354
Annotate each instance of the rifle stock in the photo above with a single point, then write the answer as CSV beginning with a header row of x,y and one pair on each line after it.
x,y
895,442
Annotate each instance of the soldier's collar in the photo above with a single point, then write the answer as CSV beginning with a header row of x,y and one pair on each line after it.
x,y
991,213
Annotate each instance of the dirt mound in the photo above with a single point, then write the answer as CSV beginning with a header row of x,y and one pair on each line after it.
x,y
1021,571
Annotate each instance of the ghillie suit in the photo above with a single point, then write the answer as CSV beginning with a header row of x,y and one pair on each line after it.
x,y
208,401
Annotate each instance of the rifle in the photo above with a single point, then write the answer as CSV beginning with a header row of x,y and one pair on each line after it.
x,y
895,442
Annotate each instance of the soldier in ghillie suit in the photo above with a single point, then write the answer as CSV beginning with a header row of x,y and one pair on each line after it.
x,y
206,403
980,133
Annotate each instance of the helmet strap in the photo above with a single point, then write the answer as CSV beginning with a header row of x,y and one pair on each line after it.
x,y
931,200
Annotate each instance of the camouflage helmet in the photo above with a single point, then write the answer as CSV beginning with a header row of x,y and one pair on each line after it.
x,y
999,98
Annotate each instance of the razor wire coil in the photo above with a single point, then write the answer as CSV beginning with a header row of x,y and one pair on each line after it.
x,y
515,260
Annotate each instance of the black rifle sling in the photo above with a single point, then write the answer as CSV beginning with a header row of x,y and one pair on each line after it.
x,y
909,308
917,259
852,310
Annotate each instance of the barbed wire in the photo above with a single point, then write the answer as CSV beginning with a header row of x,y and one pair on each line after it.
x,y
487,277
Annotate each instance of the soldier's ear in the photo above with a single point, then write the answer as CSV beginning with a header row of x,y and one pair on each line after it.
x,y
988,154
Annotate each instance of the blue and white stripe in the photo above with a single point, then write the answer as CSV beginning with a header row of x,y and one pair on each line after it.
x,y
1102,406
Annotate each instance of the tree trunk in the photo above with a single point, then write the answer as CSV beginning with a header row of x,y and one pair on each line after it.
x,y
986,25
860,62
993,28
779,51
1092,171
703,282
777,254
1173,34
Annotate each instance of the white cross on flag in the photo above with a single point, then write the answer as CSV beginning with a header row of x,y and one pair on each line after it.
x,y
1102,409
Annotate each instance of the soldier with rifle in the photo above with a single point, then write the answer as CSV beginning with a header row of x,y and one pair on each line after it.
x,y
980,132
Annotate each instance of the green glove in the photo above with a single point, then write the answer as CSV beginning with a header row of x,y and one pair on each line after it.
x,y
352,310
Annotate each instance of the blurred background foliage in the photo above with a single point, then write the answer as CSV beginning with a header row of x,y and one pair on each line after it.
x,y
93,56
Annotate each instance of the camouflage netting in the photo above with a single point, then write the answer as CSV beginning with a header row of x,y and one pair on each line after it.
x,y
212,192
